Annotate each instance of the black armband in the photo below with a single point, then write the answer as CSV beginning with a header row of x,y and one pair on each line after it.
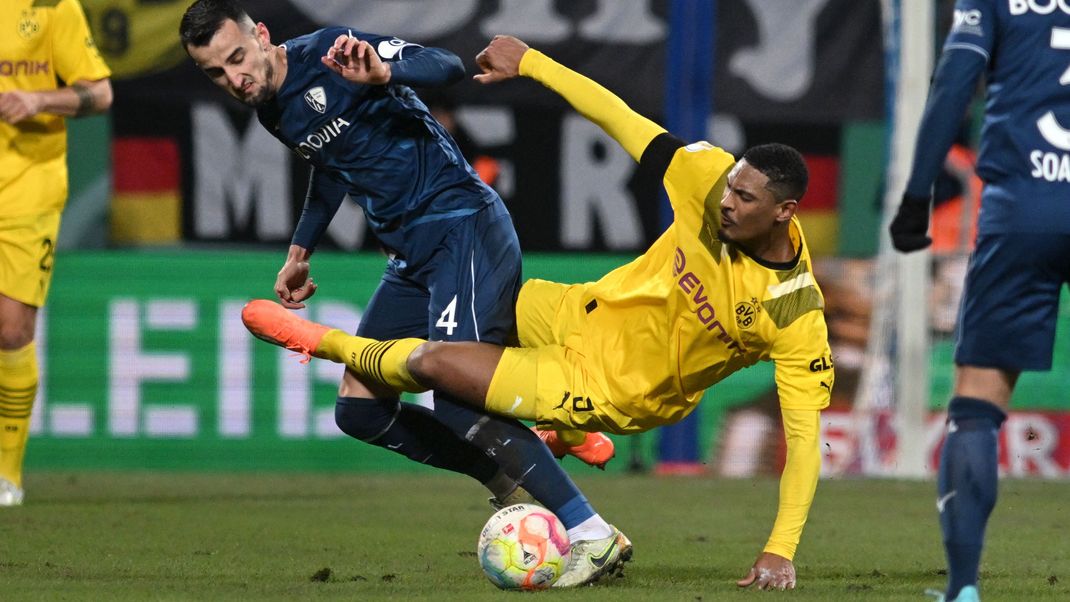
x,y
659,154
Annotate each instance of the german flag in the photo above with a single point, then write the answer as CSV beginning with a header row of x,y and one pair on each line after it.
x,y
146,205
817,211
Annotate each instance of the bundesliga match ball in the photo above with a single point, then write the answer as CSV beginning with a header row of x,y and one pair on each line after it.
x,y
523,547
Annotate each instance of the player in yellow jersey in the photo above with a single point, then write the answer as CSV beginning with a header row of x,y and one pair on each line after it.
x,y
726,286
42,43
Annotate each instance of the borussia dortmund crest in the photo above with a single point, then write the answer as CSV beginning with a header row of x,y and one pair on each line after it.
x,y
746,313
28,25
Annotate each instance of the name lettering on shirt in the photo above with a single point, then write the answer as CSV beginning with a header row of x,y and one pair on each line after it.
x,y
696,290
317,140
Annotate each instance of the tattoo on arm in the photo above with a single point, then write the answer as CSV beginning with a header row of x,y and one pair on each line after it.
x,y
86,102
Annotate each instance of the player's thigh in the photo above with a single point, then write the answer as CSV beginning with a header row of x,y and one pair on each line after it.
x,y
1010,301
397,309
27,254
474,281
549,385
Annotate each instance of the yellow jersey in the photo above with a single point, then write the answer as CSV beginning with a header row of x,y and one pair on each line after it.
x,y
655,333
43,44
692,309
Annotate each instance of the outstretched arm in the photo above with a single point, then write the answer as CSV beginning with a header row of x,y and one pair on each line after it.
x,y
773,568
506,57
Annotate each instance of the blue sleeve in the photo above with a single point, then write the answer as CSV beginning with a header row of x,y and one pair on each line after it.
x,y
966,52
325,196
426,68
952,89
412,64
975,27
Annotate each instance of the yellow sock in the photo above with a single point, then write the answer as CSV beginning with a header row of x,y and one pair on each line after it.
x,y
18,388
571,437
384,362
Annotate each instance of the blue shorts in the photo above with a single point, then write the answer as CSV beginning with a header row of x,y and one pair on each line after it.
x,y
466,291
1010,303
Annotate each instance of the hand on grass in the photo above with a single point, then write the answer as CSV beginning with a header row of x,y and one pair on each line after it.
x,y
770,571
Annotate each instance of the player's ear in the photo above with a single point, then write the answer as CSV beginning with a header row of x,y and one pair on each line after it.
x,y
785,210
263,35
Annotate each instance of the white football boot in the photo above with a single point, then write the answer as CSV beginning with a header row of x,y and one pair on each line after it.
x,y
10,495
593,559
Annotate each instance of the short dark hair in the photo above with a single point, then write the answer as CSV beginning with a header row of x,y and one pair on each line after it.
x,y
204,18
785,168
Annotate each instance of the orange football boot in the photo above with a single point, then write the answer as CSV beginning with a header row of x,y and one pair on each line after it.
x,y
596,450
271,322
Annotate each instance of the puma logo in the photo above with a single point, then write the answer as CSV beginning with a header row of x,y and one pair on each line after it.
x,y
516,404
564,400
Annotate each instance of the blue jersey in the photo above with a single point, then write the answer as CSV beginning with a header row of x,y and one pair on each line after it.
x,y
378,144
1024,159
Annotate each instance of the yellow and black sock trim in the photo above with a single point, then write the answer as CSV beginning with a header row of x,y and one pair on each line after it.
x,y
371,360
17,402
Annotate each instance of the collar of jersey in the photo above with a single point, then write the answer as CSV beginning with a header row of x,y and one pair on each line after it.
x,y
773,265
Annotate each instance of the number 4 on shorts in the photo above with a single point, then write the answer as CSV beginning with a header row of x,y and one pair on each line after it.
x,y
448,319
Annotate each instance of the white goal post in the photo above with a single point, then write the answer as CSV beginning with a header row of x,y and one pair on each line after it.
x,y
896,375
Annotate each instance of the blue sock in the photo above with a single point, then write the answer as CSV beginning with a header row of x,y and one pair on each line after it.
x,y
522,455
412,431
967,485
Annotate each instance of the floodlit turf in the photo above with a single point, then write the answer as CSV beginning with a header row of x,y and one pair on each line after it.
x,y
359,537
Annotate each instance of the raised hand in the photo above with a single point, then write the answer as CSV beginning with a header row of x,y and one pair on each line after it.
x,y
356,61
500,60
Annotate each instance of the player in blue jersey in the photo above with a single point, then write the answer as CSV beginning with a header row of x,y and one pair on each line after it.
x,y
341,100
1022,259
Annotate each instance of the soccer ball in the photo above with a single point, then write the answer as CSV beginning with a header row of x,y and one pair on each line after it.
x,y
523,546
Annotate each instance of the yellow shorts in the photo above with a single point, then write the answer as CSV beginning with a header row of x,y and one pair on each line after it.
x,y
548,380
27,251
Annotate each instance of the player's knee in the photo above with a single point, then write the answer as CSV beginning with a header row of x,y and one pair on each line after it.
x,y
15,335
427,363
364,418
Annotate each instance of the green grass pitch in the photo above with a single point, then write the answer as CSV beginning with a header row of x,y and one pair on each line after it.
x,y
114,536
